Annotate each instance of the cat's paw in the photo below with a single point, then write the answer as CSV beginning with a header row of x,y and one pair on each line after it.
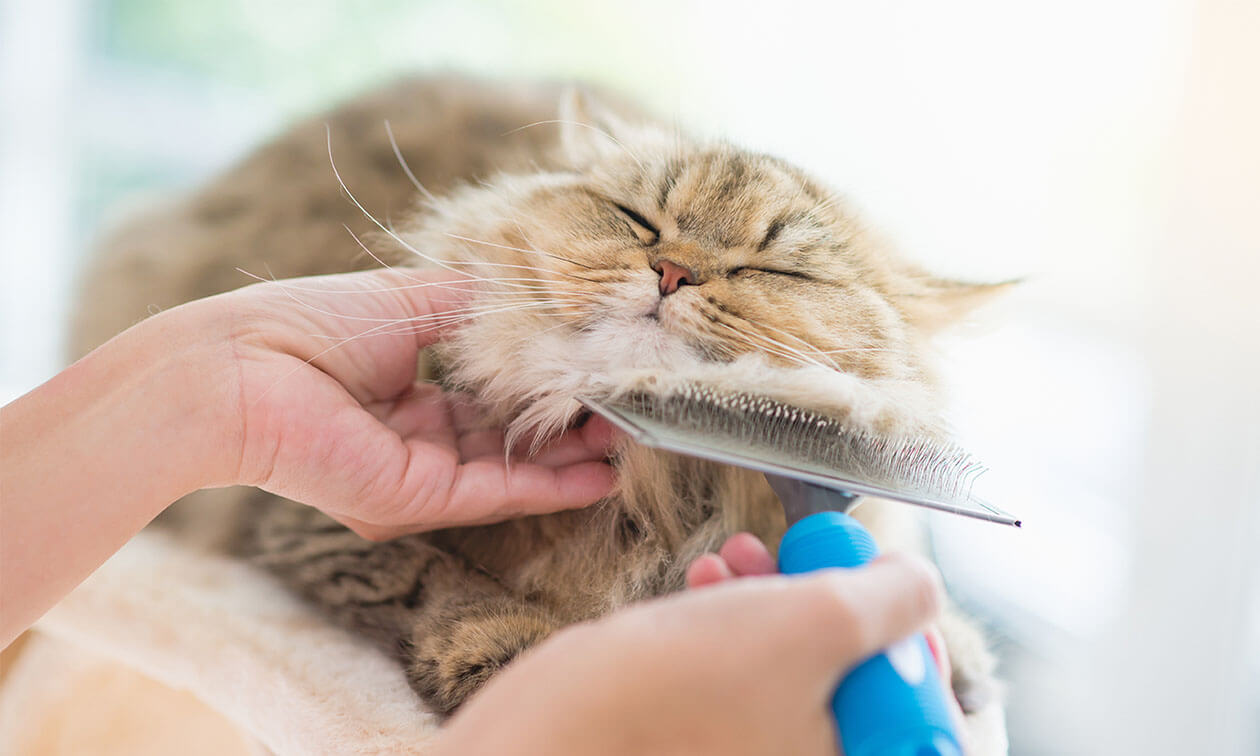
x,y
455,650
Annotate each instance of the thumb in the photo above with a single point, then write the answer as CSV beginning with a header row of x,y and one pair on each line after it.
x,y
837,618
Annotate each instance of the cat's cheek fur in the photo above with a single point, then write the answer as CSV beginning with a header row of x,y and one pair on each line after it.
x,y
553,363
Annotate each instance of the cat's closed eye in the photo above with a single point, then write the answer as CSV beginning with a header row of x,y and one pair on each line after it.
x,y
639,223
743,269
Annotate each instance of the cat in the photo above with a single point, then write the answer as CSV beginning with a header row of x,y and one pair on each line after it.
x,y
648,257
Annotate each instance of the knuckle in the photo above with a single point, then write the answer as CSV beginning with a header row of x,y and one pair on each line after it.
x,y
923,584
835,605
374,533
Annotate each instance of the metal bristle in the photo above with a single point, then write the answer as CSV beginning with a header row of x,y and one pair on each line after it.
x,y
920,470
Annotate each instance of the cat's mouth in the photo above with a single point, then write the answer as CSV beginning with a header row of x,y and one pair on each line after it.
x,y
653,311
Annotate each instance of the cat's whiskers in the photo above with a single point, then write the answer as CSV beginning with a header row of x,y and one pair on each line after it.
x,y
454,319
827,204
314,357
474,309
509,281
513,265
341,182
406,168
790,355
417,328
813,349
344,340
788,350
372,254
448,285
741,337
469,262
535,249
592,127
851,350
783,350
374,330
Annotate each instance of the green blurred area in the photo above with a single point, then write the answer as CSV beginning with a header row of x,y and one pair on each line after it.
x,y
195,83
304,54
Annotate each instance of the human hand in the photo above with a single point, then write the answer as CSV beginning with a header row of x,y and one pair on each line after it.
x,y
315,400
744,555
745,667
329,412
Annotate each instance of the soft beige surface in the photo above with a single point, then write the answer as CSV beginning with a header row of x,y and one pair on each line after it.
x,y
228,635
64,701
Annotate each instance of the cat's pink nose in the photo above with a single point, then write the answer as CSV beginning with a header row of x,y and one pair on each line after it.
x,y
673,275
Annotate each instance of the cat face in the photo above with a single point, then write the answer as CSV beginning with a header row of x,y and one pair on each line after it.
x,y
645,254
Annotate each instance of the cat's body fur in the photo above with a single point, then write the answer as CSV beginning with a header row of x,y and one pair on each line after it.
x,y
455,605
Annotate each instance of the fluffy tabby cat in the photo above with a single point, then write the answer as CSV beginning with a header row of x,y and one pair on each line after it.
x,y
644,253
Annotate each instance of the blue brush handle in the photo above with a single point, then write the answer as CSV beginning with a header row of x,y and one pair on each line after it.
x,y
892,704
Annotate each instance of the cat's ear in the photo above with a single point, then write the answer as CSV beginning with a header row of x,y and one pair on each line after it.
x,y
933,303
589,132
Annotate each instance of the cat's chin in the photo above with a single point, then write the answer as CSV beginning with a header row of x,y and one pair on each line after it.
x,y
622,344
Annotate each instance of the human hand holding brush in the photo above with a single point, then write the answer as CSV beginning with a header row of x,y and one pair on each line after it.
x,y
744,667
744,555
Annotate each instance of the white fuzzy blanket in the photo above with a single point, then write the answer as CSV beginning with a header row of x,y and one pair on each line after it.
x,y
234,638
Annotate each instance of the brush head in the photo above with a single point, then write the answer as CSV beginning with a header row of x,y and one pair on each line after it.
x,y
764,434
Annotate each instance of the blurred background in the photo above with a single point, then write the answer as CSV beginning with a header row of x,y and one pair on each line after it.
x,y
1104,150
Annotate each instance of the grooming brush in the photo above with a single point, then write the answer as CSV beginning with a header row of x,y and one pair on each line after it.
x,y
893,703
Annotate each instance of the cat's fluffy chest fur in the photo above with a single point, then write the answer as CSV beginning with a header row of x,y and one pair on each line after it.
x,y
636,543
570,227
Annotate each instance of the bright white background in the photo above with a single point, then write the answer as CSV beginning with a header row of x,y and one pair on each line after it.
x,y
1105,150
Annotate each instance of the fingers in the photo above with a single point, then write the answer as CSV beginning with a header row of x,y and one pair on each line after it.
x,y
593,440
844,616
743,555
424,410
708,569
419,296
747,555
889,599
936,644
837,615
444,492
479,493
429,413
810,629
495,490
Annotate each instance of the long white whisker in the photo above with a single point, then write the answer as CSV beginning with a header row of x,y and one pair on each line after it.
x,y
783,351
535,248
415,328
816,350
312,359
451,286
483,279
341,182
372,254
596,129
811,347
406,168
497,306
518,249
792,350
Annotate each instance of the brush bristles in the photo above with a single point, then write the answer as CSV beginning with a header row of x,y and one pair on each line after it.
x,y
800,437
